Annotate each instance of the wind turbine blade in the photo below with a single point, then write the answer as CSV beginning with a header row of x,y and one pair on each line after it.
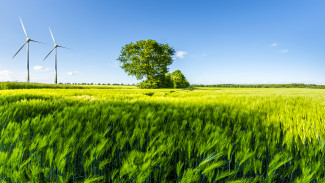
x,y
19,50
49,53
23,27
64,47
52,36
37,42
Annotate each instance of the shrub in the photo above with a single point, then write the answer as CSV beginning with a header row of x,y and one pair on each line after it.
x,y
179,79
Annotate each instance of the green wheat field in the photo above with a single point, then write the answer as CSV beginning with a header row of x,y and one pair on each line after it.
x,y
125,134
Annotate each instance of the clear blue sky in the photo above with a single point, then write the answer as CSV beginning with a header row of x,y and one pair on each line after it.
x,y
225,41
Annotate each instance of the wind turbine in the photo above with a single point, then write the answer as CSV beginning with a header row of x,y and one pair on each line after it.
x,y
27,42
55,46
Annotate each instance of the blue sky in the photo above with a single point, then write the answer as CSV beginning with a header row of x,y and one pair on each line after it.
x,y
233,41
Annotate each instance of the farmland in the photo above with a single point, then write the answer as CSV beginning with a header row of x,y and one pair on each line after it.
x,y
125,134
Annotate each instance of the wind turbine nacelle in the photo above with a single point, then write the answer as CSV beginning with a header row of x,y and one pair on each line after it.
x,y
27,39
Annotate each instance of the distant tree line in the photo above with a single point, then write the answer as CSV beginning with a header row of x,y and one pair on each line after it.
x,y
293,85
22,85
98,84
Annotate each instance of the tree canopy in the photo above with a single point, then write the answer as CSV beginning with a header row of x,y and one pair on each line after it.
x,y
150,60
146,59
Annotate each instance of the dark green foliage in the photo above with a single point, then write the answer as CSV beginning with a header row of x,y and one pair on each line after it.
x,y
179,79
147,59
149,84
158,81
167,81
149,94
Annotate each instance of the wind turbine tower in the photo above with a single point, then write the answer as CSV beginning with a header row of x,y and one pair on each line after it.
x,y
26,43
54,48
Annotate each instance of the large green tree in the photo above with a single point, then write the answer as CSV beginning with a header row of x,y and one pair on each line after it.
x,y
147,59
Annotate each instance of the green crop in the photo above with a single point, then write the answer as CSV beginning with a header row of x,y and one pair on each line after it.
x,y
166,135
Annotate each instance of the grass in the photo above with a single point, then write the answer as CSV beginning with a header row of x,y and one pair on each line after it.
x,y
125,134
